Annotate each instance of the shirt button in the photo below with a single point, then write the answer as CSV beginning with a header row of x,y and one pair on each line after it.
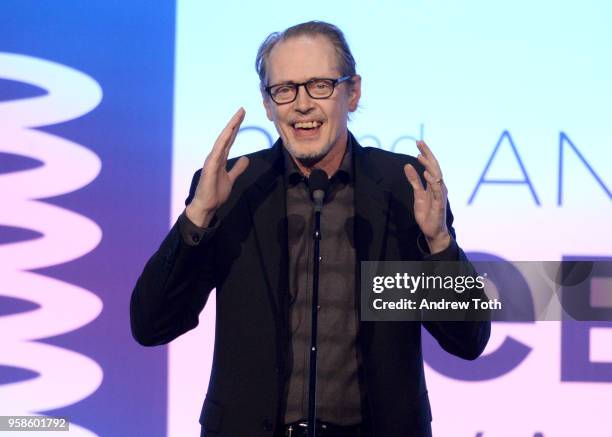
x,y
266,425
195,238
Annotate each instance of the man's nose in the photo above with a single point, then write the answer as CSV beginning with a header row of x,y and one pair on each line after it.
x,y
303,102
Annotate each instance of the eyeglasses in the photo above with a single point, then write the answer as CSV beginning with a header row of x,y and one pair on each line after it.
x,y
316,88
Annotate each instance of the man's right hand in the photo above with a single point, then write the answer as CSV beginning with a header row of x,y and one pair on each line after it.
x,y
215,184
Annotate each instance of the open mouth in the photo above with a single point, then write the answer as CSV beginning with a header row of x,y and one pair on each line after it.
x,y
307,128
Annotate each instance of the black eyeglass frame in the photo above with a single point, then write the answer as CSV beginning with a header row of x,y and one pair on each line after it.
x,y
297,86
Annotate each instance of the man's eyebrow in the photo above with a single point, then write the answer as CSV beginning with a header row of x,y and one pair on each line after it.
x,y
291,82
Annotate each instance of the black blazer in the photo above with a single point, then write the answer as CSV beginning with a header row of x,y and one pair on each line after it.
x,y
245,259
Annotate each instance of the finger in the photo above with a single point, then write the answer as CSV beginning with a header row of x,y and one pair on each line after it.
x,y
426,151
413,178
429,166
436,185
230,131
238,168
226,134
419,192
234,134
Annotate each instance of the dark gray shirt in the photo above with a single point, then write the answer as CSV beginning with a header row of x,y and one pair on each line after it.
x,y
338,391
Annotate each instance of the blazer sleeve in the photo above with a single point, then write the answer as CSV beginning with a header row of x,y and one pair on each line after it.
x,y
174,286
467,338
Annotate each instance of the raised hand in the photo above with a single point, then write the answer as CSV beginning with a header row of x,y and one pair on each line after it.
x,y
215,184
430,201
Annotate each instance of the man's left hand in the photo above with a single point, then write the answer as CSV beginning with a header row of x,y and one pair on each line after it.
x,y
430,201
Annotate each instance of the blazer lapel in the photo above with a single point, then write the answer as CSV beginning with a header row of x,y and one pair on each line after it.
x,y
371,219
267,204
371,207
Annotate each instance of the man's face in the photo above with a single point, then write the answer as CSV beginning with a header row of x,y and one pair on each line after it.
x,y
297,60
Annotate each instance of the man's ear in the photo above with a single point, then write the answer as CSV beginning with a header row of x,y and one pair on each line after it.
x,y
354,92
267,102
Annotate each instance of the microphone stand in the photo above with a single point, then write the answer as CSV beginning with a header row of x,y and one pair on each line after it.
x,y
312,382
318,182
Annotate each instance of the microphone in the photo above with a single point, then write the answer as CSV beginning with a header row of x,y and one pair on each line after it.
x,y
318,181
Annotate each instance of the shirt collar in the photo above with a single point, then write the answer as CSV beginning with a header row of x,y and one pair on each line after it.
x,y
344,173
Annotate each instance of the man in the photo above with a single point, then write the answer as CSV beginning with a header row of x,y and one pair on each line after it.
x,y
246,231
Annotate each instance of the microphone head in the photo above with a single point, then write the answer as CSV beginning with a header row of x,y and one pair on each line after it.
x,y
318,181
